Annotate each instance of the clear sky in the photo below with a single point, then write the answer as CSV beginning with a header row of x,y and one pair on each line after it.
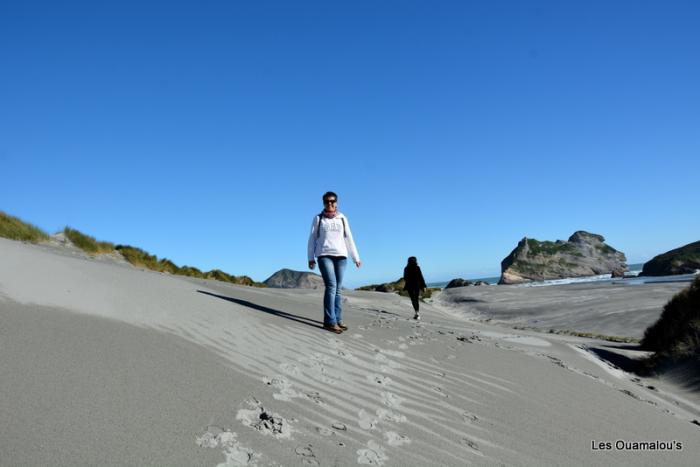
x,y
207,131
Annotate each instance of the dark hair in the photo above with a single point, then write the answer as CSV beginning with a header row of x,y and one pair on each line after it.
x,y
328,194
412,260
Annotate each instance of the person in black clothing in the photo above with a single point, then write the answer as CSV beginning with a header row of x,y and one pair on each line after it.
x,y
413,277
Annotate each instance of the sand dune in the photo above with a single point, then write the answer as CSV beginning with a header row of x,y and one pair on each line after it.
x,y
599,308
104,364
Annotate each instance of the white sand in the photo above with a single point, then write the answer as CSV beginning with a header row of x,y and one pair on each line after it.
x,y
610,309
104,364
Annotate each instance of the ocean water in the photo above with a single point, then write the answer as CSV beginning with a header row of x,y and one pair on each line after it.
x,y
630,278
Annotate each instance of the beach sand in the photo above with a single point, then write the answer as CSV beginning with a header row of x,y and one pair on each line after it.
x,y
609,309
106,364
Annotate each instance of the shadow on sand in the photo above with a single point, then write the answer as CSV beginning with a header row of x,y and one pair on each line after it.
x,y
466,300
272,311
684,372
623,362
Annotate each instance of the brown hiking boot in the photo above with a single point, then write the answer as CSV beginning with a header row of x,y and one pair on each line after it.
x,y
333,328
342,326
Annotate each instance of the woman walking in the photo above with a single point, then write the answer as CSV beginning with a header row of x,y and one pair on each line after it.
x,y
329,242
413,277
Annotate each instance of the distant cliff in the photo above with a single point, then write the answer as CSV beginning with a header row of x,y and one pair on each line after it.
x,y
683,260
289,279
584,254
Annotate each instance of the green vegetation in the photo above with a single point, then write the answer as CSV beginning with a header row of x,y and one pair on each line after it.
x,y
566,264
219,275
87,243
583,233
167,266
140,258
529,269
676,334
536,248
397,287
16,229
683,260
606,249
592,335
589,335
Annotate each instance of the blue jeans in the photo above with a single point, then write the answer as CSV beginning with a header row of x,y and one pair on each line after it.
x,y
332,270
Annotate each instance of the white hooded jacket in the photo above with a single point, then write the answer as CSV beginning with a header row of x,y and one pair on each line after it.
x,y
335,238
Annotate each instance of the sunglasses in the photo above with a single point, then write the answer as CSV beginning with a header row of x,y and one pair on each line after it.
x,y
329,201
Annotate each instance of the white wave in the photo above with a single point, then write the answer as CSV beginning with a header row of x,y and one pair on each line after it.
x,y
569,280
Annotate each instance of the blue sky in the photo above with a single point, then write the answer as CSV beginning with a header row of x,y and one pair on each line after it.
x,y
206,132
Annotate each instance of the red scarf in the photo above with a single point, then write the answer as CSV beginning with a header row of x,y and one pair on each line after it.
x,y
330,215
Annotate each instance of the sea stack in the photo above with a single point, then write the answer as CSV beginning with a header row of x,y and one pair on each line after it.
x,y
683,260
584,254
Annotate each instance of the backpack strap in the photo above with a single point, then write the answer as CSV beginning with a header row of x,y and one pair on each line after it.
x,y
318,229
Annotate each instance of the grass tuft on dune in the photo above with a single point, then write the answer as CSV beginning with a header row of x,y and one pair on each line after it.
x,y
676,334
141,258
87,243
16,229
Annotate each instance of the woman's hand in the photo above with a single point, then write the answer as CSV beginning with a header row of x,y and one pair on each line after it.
x,y
358,263
312,264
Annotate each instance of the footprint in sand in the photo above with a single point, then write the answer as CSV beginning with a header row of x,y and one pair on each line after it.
x,y
395,439
323,431
290,369
440,391
264,421
315,397
416,340
343,353
379,379
469,443
318,367
339,426
373,455
557,361
386,364
366,420
391,400
307,455
633,395
282,384
469,417
236,454
390,416
208,440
